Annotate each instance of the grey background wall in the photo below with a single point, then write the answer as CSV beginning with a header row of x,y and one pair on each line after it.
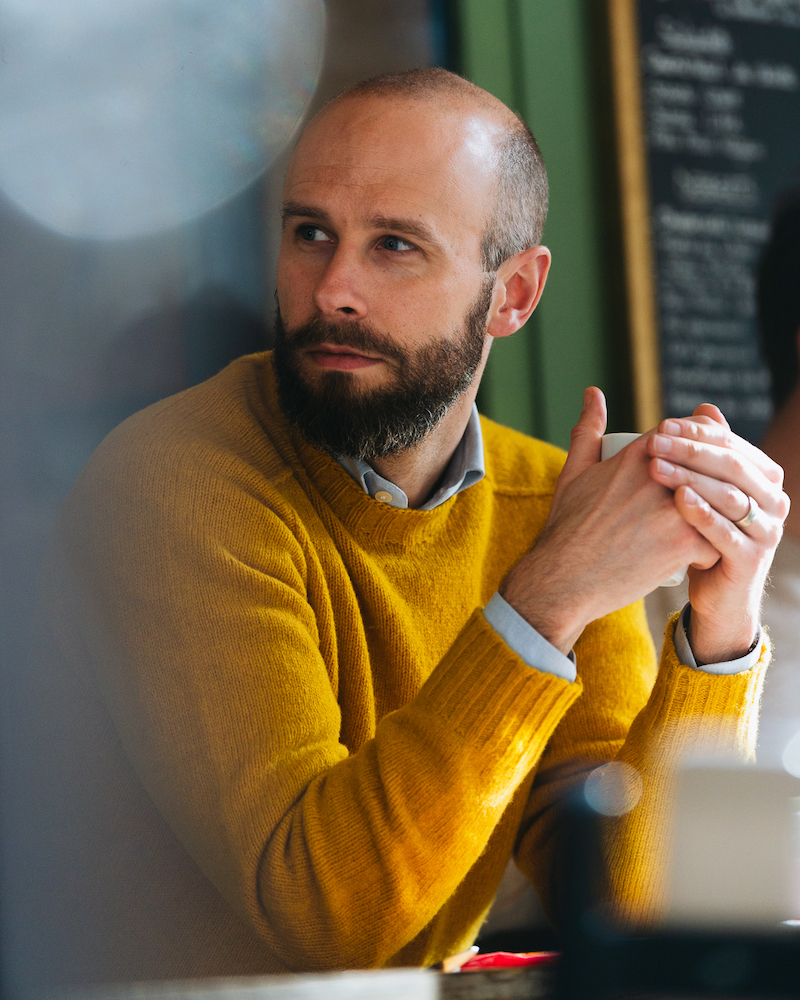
x,y
91,331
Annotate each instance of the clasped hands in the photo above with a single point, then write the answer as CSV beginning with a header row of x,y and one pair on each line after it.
x,y
671,498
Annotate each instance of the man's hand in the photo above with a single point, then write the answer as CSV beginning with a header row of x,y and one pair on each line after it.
x,y
714,473
613,534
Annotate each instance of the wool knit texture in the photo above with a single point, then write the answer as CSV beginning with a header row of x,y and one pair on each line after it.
x,y
325,752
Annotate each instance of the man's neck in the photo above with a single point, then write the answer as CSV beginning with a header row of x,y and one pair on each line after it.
x,y
417,470
781,444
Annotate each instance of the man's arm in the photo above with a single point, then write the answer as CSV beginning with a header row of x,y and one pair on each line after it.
x,y
687,712
611,529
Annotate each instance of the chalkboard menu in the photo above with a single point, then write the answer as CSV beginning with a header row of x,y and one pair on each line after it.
x,y
721,95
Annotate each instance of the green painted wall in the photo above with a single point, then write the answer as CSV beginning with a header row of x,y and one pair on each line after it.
x,y
534,55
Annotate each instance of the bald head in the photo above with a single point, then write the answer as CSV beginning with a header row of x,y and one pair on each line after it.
x,y
515,220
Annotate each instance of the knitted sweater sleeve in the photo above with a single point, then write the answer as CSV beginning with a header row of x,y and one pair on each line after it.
x,y
207,654
650,724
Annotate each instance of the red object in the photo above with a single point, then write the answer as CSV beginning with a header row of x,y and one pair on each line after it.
x,y
509,959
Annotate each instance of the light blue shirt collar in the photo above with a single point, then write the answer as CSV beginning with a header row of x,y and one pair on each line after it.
x,y
465,468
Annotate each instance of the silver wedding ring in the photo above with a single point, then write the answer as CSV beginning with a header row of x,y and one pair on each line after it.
x,y
750,516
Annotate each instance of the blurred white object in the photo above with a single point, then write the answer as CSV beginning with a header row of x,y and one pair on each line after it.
x,y
611,445
791,755
733,861
119,119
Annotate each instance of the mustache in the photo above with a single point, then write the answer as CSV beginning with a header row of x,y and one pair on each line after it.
x,y
354,334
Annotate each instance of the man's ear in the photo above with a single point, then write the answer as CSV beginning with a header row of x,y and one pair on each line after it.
x,y
517,289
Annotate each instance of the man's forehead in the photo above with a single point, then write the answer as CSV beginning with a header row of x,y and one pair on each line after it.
x,y
399,151
414,135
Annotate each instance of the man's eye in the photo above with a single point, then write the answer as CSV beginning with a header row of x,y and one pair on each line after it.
x,y
396,244
312,234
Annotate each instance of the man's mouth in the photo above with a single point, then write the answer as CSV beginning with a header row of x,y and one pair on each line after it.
x,y
340,358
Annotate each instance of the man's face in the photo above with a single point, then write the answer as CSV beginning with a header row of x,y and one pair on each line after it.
x,y
347,419
382,293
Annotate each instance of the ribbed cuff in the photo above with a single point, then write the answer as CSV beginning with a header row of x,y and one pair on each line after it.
x,y
686,655
527,642
723,707
490,696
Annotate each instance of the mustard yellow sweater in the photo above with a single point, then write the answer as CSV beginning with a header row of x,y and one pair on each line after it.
x,y
310,750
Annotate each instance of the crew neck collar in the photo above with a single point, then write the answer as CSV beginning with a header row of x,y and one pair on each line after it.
x,y
465,468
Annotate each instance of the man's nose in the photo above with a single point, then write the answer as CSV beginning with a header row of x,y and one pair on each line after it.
x,y
340,291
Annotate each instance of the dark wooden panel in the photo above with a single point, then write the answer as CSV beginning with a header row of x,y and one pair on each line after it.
x,y
721,93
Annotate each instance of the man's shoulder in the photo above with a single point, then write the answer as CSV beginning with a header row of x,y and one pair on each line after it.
x,y
517,463
222,423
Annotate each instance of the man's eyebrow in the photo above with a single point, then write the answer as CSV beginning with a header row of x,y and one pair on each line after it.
x,y
295,209
409,227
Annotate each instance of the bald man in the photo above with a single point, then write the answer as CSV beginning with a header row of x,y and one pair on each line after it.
x,y
334,648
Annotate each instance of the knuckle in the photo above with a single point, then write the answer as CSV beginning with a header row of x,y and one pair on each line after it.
x,y
706,513
738,463
733,497
774,473
690,429
692,449
687,476
696,430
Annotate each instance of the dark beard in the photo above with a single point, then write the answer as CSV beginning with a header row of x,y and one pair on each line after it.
x,y
371,424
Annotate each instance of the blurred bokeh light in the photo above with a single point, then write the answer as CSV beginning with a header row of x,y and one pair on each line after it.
x,y
613,789
122,119
791,756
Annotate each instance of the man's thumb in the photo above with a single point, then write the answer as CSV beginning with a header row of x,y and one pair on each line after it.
x,y
587,434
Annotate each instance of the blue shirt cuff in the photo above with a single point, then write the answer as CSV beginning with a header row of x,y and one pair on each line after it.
x,y
685,654
526,642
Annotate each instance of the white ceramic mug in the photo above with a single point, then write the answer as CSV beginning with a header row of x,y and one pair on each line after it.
x,y
613,443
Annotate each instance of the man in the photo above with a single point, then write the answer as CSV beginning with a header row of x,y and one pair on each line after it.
x,y
323,681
